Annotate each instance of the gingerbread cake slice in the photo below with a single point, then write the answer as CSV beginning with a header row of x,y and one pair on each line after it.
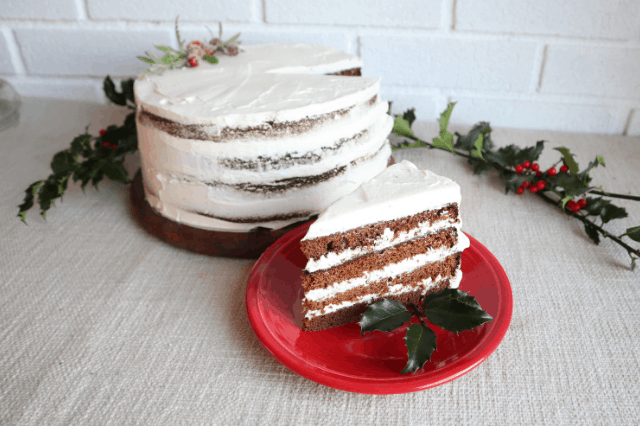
x,y
396,237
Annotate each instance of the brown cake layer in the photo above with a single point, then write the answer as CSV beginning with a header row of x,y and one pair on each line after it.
x,y
378,260
443,268
353,72
365,236
354,313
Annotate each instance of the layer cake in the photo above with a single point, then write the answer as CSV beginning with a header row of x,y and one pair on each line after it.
x,y
266,138
397,237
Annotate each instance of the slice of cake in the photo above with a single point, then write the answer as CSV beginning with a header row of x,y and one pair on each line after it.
x,y
396,237
266,138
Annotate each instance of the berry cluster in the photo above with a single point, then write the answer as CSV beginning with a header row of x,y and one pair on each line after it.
x,y
197,50
540,185
107,144
536,186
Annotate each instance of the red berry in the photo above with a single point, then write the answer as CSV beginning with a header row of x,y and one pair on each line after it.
x,y
582,203
518,168
114,146
564,168
541,185
520,190
196,42
575,208
538,173
193,62
552,172
526,164
106,144
102,132
533,189
526,184
535,167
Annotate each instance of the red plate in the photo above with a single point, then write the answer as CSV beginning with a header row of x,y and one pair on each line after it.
x,y
340,357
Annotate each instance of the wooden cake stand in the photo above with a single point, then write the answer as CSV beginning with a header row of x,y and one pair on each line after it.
x,y
245,245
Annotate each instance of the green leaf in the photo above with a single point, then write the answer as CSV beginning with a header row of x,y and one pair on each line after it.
x,y
444,142
384,315
168,59
115,172
165,49
478,145
406,144
127,90
79,144
633,233
592,233
595,206
479,166
568,159
420,342
600,160
410,116
401,127
444,118
447,292
611,212
147,60
566,199
455,315
211,59
512,180
27,203
112,94
467,142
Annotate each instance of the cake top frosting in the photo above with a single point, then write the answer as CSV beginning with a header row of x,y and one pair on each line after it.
x,y
400,190
278,82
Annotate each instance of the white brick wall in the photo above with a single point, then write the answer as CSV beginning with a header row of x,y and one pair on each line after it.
x,y
570,65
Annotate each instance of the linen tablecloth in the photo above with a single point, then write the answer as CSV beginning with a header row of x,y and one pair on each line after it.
x,y
101,323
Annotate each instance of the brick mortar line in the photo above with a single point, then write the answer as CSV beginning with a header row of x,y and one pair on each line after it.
x,y
451,93
408,32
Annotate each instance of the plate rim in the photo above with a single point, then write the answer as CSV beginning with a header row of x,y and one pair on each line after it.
x,y
372,385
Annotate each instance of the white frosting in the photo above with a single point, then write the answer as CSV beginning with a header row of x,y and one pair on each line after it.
x,y
180,200
398,191
257,86
390,271
426,284
263,84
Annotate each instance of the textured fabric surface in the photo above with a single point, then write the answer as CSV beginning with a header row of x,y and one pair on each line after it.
x,y
101,323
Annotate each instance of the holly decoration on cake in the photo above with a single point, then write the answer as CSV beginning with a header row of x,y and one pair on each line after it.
x,y
562,184
192,54
450,309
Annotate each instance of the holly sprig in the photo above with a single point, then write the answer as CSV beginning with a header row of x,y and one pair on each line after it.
x,y
450,309
566,189
89,158
191,54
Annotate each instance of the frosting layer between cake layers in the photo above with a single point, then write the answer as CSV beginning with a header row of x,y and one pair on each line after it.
x,y
259,139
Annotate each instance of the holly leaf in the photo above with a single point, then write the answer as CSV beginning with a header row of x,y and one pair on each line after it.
x,y
401,127
115,172
600,160
592,233
479,166
568,159
478,145
512,180
467,142
444,142
633,233
410,116
447,292
29,197
420,342
406,144
595,206
384,315
110,91
211,59
444,118
566,199
611,212
455,315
